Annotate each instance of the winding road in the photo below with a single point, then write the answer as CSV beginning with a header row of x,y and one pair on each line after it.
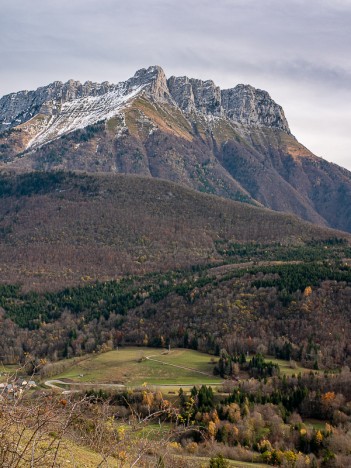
x,y
55,383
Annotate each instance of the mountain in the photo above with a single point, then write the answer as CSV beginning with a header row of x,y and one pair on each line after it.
x,y
58,229
235,143
86,259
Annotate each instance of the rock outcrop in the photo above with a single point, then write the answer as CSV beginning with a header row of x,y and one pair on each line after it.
x,y
196,95
251,106
17,108
153,81
181,90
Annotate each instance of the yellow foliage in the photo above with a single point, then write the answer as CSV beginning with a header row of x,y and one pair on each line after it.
x,y
214,417
318,437
175,446
122,455
148,399
290,456
166,404
308,291
121,432
110,424
212,429
264,445
234,412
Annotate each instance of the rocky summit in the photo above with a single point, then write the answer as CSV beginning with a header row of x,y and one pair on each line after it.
x,y
242,104
235,143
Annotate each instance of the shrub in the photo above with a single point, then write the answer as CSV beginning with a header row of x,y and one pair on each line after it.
x,y
218,462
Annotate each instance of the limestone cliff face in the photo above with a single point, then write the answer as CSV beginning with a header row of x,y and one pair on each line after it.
x,y
182,92
17,108
193,95
251,106
153,81
242,104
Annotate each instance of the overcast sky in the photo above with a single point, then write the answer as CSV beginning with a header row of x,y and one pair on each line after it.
x,y
297,50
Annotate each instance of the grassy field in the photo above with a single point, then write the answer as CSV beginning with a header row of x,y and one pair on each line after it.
x,y
286,368
134,366
129,366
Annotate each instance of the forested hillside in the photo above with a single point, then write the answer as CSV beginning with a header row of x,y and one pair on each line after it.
x,y
94,263
294,309
58,229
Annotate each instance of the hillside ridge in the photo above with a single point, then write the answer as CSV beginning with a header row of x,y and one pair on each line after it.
x,y
60,228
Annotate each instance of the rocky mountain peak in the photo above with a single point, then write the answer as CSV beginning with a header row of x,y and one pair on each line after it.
x,y
207,96
182,92
153,80
252,106
16,108
196,95
242,104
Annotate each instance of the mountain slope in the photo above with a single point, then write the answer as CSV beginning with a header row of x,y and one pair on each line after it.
x,y
235,143
58,229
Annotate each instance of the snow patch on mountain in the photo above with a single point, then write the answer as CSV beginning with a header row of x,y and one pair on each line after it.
x,y
80,113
